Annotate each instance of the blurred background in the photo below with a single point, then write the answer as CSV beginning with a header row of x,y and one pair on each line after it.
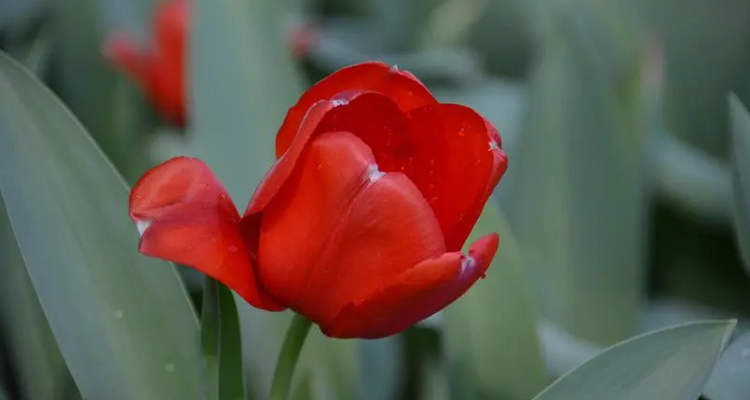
x,y
623,210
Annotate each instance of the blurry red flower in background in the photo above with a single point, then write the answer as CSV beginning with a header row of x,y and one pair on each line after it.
x,y
359,224
159,67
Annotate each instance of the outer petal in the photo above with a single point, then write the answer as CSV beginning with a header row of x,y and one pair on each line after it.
x,y
185,216
122,50
415,295
169,58
172,23
340,228
400,86
456,165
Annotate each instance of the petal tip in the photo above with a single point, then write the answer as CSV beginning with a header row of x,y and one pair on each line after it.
x,y
142,225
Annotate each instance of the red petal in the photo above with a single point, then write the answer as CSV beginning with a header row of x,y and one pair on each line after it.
x,y
282,169
121,48
456,163
400,86
185,216
451,153
414,295
172,23
340,228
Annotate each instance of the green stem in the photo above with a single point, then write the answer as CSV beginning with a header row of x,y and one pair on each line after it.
x,y
287,361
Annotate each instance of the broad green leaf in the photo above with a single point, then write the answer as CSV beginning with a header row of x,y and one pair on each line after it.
x,y
704,58
730,379
221,342
741,176
242,81
384,359
691,179
498,309
504,35
32,351
124,323
669,364
576,202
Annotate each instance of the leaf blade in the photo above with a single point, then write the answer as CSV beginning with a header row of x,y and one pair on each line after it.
x,y
668,364
472,332
124,323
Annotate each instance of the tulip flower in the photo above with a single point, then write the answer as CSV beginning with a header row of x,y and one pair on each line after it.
x,y
158,69
359,224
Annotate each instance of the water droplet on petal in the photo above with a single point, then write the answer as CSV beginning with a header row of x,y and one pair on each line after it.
x,y
233,249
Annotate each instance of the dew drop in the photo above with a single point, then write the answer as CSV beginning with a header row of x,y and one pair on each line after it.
x,y
142,225
169,367
339,102
233,249
433,200
118,314
139,197
432,162
222,196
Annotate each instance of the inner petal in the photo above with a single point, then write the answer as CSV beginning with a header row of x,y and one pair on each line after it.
x,y
446,150
340,227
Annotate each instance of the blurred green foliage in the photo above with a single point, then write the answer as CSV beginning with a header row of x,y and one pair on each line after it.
x,y
624,211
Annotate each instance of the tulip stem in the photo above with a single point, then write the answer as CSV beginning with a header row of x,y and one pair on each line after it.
x,y
288,357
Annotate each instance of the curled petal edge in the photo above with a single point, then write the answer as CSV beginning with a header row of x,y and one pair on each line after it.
x,y
415,295
185,215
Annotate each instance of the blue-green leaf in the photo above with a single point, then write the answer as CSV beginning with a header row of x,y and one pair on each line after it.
x,y
124,322
668,364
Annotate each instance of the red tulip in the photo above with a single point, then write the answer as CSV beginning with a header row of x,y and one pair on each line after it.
x,y
360,222
158,69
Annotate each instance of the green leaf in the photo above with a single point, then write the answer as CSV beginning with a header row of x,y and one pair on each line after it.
x,y
741,176
498,309
124,322
384,359
697,40
222,345
668,364
242,80
577,202
730,379
32,352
